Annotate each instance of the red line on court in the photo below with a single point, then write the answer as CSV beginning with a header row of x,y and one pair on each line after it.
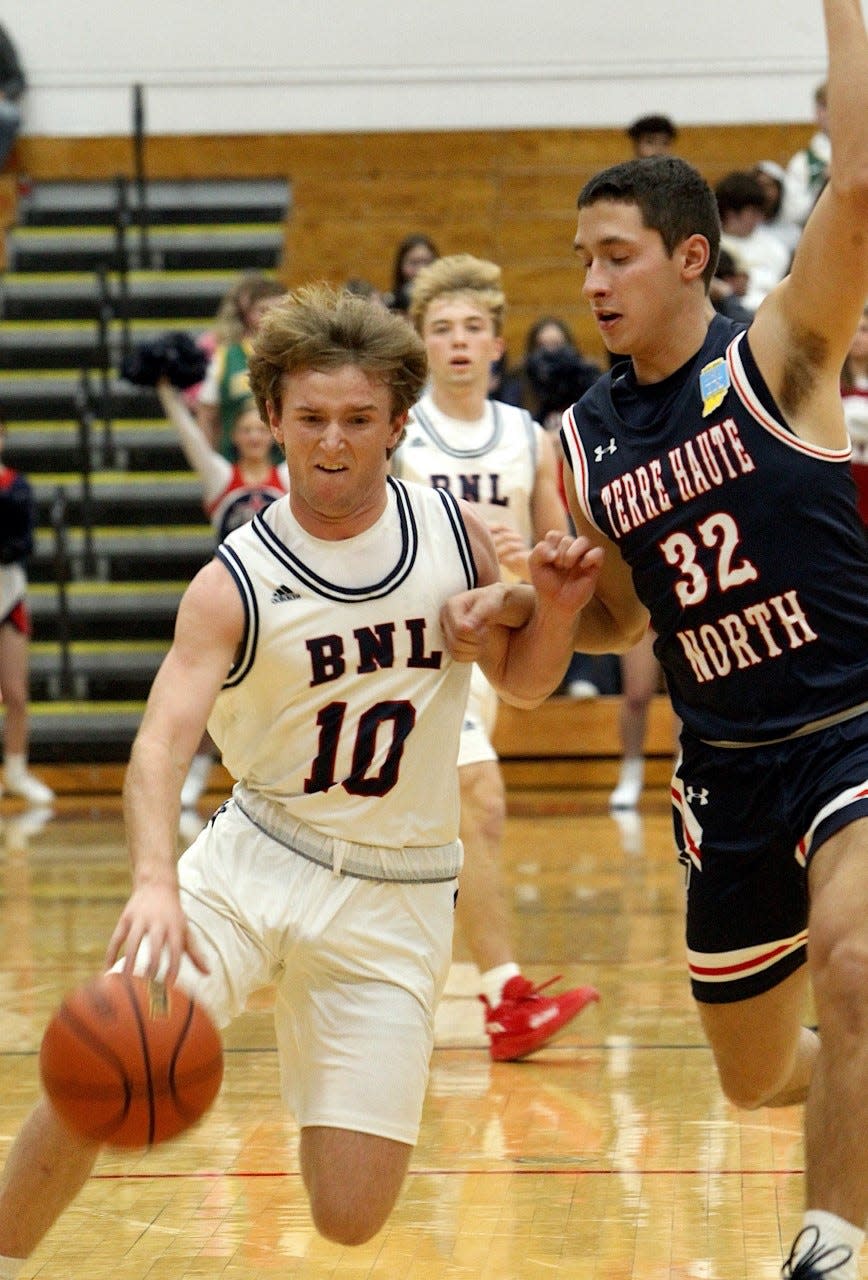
x,y
461,1173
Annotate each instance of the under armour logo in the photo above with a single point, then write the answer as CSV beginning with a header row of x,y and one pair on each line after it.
x,y
604,448
284,593
698,795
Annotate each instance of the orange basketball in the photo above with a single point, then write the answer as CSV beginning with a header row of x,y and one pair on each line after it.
x,y
130,1062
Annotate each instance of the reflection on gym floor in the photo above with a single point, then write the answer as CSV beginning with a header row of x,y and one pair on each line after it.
x,y
610,1155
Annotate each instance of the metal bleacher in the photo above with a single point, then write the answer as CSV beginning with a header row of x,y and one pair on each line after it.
x,y
92,268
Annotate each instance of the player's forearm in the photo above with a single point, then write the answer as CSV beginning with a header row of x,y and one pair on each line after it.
x,y
848,91
195,445
152,789
597,630
536,653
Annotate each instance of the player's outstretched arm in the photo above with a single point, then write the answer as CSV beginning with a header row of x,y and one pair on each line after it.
x,y
803,329
208,631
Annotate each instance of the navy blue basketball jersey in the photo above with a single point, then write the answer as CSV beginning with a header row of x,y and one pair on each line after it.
x,y
744,541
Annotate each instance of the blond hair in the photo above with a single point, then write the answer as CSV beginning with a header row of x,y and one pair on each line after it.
x,y
459,274
322,328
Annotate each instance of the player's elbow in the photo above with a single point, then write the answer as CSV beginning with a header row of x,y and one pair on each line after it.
x,y
850,183
525,702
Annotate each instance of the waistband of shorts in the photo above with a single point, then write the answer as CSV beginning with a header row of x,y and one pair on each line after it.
x,y
413,864
813,726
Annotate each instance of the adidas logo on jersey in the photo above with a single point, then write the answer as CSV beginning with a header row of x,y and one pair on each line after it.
x,y
284,593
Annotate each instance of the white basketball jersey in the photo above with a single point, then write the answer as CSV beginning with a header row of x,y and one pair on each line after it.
x,y
343,705
491,463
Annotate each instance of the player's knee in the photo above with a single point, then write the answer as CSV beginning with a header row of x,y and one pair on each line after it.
x,y
483,803
752,1081
637,701
839,970
747,1095
15,698
342,1220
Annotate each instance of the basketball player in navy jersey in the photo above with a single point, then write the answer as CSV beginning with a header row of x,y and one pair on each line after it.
x,y
711,465
312,647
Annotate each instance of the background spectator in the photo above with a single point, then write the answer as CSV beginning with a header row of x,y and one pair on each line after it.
x,y
555,373
741,203
226,386
729,287
17,519
12,86
553,376
653,135
504,385
413,253
808,170
773,180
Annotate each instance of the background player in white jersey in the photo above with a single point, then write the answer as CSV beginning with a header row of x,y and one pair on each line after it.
x,y
712,468
312,646
496,457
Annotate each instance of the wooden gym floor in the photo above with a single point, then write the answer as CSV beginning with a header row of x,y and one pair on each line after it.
x,y
610,1155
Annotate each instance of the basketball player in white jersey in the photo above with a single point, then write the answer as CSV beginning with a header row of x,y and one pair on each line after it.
x,y
496,457
311,646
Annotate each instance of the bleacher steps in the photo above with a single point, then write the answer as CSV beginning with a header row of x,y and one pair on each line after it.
x,y
136,532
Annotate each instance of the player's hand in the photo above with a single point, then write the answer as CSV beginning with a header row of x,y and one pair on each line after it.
x,y
467,618
564,571
511,549
154,912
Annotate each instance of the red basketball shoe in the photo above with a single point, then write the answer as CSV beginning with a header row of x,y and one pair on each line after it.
x,y
525,1020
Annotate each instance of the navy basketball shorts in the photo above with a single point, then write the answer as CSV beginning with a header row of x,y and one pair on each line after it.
x,y
747,822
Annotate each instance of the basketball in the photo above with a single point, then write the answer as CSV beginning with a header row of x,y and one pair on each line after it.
x,y
130,1062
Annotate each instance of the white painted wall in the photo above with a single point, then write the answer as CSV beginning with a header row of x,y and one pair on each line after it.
x,y
239,66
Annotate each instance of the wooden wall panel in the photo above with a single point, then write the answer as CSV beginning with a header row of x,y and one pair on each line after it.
x,y
565,727
8,211
505,194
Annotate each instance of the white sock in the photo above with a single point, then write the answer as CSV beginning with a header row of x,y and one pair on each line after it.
x,y
833,1231
10,1268
631,775
492,982
15,765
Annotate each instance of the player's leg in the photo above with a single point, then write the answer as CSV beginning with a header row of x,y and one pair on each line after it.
x,y
15,684
13,680
746,919
763,1054
333,1161
481,910
519,1020
355,1031
836,1118
640,678
46,1168
808,801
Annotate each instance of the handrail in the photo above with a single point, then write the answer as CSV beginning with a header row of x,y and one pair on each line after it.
x,y
84,404
122,261
105,313
61,576
139,168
